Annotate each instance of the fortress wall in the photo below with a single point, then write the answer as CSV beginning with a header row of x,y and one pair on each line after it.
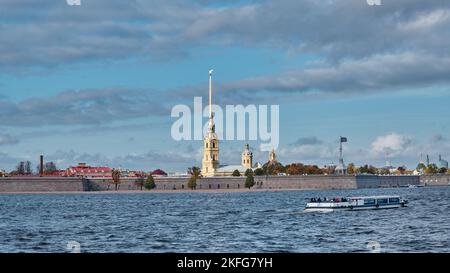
x,y
306,182
435,180
170,183
375,181
52,184
41,184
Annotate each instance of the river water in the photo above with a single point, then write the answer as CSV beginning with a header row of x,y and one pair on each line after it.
x,y
221,222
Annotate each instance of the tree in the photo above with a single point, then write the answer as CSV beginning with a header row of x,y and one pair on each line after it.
x,y
49,168
236,173
258,172
23,168
431,169
192,182
150,183
351,168
421,167
20,169
383,171
279,169
368,169
28,167
140,181
313,169
443,170
195,171
249,181
295,169
249,172
401,170
116,178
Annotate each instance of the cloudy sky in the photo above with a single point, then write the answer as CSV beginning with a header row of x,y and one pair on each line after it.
x,y
96,83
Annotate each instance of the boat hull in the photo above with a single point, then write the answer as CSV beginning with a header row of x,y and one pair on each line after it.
x,y
357,203
331,209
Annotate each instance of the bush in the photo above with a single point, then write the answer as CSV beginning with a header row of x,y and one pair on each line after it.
x,y
236,173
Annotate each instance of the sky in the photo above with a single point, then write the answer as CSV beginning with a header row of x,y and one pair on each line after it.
x,y
96,83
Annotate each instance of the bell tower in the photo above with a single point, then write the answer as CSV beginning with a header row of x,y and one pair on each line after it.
x,y
210,161
247,158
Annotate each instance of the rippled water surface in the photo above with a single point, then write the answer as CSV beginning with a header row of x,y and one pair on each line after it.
x,y
221,222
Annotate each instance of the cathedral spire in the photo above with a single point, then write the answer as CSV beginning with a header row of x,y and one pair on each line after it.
x,y
210,93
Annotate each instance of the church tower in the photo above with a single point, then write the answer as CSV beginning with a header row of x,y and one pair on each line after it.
x,y
247,158
272,156
210,161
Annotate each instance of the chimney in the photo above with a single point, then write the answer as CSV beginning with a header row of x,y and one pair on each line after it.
x,y
41,170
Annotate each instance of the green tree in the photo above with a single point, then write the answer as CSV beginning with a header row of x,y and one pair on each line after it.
x,y
443,170
116,178
249,181
150,183
259,172
421,167
249,172
363,169
195,171
192,182
140,182
401,170
236,173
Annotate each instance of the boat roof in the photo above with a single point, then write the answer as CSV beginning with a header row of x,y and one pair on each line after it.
x,y
375,197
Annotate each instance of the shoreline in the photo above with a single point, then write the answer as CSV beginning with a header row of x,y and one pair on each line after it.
x,y
157,191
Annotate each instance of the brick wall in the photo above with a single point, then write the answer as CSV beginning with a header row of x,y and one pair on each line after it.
x,y
41,184
44,184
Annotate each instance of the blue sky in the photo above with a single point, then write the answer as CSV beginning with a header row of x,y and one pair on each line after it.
x,y
95,83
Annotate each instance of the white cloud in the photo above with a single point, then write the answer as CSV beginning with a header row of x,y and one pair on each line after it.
x,y
393,144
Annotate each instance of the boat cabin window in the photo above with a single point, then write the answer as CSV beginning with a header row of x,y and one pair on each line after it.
x,y
382,201
394,200
369,201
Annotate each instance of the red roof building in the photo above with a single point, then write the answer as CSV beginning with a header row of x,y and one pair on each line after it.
x,y
87,171
159,172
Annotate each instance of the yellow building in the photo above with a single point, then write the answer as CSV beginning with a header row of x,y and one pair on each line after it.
x,y
210,161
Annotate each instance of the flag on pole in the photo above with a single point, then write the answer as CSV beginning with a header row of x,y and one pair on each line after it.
x,y
343,139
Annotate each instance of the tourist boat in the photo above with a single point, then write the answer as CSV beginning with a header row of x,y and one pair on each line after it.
x,y
356,203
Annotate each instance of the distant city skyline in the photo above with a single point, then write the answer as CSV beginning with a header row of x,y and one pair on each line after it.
x,y
95,83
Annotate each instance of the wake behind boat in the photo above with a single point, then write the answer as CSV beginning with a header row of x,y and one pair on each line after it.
x,y
355,203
